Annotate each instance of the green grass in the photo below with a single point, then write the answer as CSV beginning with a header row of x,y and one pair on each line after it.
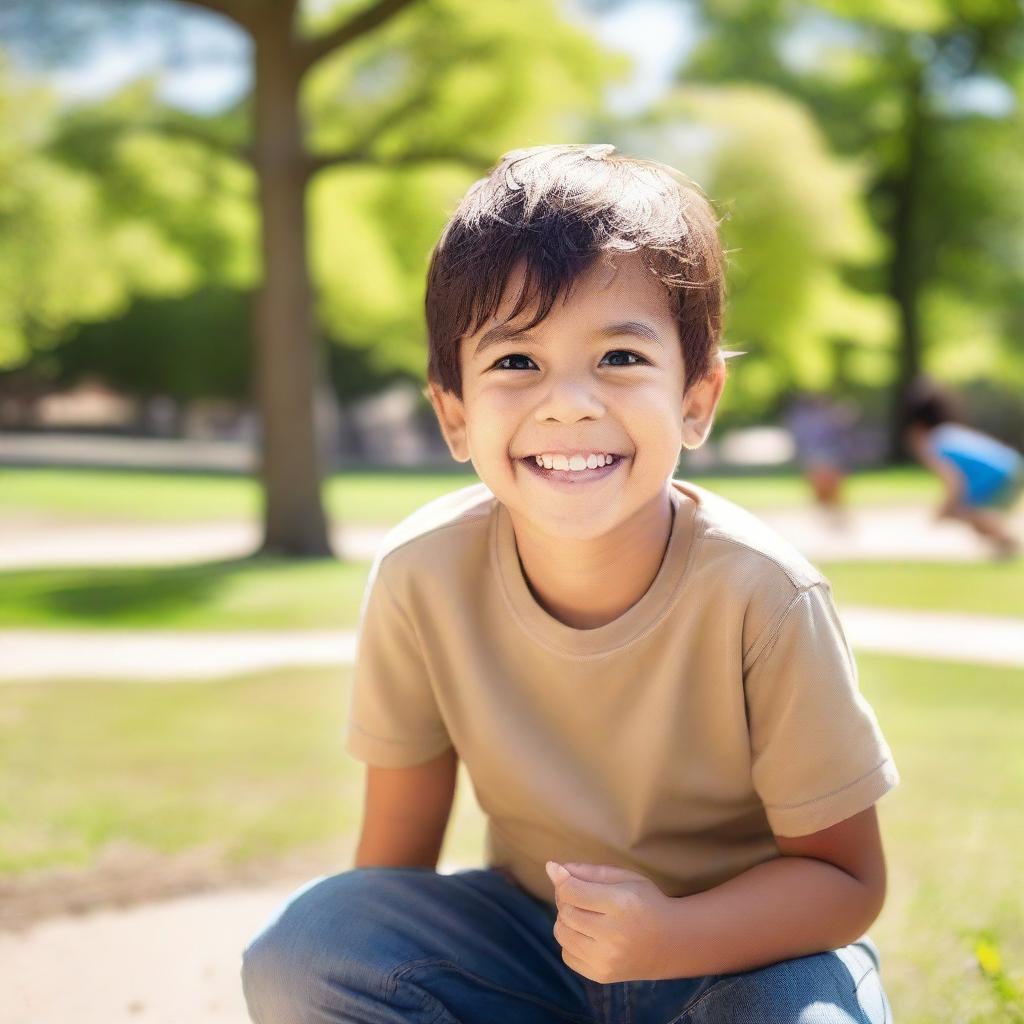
x,y
254,593
363,497
954,837
254,766
251,765
985,588
125,495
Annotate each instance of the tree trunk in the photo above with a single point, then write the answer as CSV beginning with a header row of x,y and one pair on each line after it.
x,y
904,276
286,363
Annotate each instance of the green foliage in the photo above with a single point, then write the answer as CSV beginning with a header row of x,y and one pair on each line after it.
x,y
447,76
192,346
917,16
195,346
59,259
888,85
127,209
91,216
174,173
793,218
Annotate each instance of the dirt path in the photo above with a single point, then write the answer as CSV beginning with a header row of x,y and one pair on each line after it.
x,y
174,961
171,962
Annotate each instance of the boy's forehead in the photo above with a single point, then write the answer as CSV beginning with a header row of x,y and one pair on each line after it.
x,y
617,282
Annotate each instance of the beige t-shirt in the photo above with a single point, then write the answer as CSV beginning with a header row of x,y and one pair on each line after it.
x,y
675,740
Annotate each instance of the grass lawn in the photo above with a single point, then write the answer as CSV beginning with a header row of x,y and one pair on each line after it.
x,y
985,588
265,593
255,765
256,593
362,497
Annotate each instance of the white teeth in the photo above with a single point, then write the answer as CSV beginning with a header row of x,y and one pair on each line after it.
x,y
575,463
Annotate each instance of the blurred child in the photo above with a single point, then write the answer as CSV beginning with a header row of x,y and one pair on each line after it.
x,y
821,434
983,477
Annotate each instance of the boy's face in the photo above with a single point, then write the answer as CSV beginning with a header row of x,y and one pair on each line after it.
x,y
570,386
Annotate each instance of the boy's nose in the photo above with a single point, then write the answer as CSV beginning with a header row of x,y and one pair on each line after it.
x,y
570,400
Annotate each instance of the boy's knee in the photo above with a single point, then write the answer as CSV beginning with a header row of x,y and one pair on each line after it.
x,y
816,989
272,979
280,964
309,954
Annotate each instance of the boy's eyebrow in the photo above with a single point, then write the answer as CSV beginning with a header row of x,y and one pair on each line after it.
x,y
503,332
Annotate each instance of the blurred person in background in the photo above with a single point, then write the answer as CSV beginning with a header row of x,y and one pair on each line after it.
x,y
821,430
982,477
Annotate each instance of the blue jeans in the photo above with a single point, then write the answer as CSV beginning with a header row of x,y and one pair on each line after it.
x,y
386,945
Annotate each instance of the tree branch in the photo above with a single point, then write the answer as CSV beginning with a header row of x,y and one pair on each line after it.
x,y
237,11
312,50
361,144
194,134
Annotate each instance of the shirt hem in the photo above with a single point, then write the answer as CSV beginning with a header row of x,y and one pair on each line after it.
x,y
390,753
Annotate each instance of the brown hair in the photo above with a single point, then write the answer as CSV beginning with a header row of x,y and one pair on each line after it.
x,y
560,208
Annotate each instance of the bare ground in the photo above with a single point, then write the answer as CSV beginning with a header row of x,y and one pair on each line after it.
x,y
125,875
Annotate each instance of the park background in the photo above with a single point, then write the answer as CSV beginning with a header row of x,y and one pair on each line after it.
x,y
215,219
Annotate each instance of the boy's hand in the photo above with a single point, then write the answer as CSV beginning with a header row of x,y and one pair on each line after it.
x,y
613,924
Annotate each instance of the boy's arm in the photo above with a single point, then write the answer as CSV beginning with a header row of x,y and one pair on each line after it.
x,y
406,812
824,892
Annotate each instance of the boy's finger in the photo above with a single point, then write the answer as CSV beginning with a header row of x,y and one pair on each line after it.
x,y
555,872
596,896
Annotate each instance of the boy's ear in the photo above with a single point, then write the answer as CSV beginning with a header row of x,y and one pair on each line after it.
x,y
451,417
700,402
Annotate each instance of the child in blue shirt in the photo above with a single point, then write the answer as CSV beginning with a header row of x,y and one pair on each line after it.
x,y
983,477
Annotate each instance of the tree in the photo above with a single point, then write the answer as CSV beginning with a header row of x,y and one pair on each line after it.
x,y
416,58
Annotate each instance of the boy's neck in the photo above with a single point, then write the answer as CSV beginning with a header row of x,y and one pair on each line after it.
x,y
589,583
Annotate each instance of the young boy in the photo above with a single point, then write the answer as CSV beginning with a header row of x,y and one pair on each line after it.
x,y
982,478
651,690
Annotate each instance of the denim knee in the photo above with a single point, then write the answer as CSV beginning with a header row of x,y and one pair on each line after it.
x,y
818,989
300,964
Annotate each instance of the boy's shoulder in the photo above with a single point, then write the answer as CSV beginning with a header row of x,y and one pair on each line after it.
x,y
746,571
734,542
445,530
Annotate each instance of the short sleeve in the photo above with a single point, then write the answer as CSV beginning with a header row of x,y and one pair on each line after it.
x,y
393,718
817,753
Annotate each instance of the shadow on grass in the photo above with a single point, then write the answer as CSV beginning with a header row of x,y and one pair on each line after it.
x,y
162,595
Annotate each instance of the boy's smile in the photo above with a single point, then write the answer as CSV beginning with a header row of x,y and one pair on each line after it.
x,y
601,375
574,470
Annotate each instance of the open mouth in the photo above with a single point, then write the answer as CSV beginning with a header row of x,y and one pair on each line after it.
x,y
572,477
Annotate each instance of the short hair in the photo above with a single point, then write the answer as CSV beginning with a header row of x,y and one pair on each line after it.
x,y
928,404
560,208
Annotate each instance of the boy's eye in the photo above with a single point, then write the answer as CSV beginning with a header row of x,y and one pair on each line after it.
x,y
639,359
